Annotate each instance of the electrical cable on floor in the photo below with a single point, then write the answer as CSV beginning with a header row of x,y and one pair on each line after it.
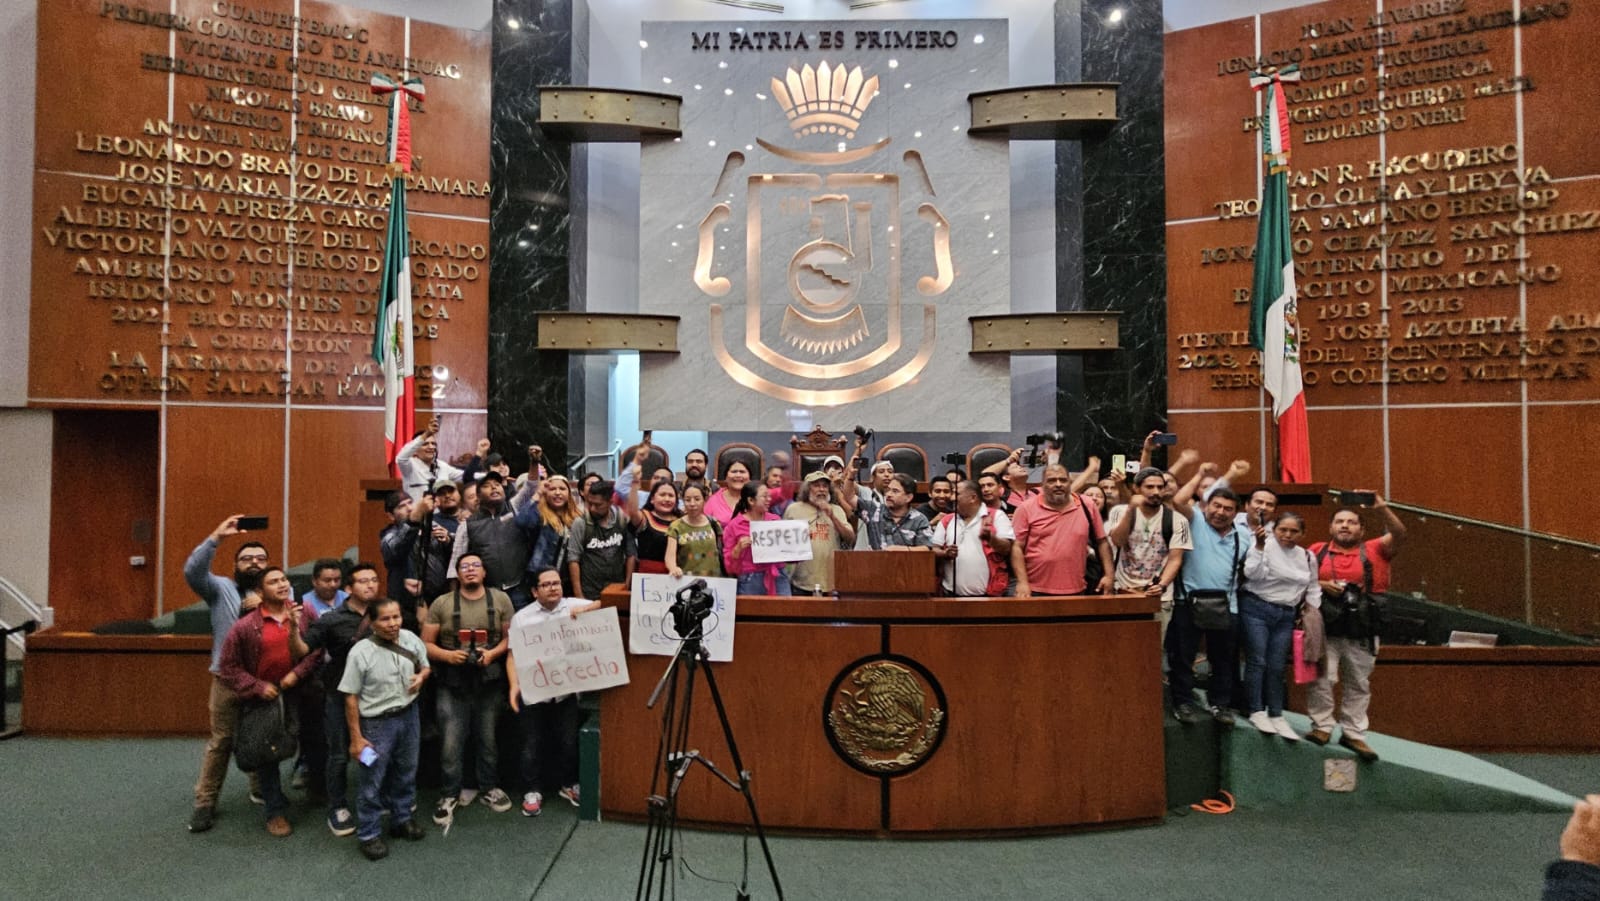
x,y
1218,806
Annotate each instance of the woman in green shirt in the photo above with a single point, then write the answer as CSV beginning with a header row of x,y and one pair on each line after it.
x,y
694,546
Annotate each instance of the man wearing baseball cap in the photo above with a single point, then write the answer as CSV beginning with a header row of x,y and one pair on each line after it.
x,y
829,527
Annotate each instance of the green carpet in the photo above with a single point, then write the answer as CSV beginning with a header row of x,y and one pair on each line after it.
x,y
82,819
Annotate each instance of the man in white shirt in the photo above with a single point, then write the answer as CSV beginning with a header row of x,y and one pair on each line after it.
x,y
419,462
550,727
973,545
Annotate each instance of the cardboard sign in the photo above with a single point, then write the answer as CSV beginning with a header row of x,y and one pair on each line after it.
x,y
650,629
563,655
780,541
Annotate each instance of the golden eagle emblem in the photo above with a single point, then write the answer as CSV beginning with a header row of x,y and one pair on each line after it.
x,y
881,716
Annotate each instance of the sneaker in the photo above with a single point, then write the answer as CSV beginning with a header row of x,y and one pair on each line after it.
x,y
1318,736
1223,715
445,812
256,798
341,823
532,804
1262,723
374,849
410,830
1188,713
496,800
571,794
468,795
202,818
1362,749
279,827
1282,727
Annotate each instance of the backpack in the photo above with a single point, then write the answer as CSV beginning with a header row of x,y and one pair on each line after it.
x,y
999,565
1358,615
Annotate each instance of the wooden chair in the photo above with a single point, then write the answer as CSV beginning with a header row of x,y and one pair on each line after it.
x,y
906,458
817,446
658,459
748,454
982,456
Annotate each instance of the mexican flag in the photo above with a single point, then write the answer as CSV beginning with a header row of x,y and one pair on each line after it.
x,y
1274,320
391,343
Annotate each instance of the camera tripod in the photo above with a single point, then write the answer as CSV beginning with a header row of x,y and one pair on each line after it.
x,y
657,874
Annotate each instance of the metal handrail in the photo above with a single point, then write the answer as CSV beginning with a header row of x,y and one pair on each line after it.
x,y
575,465
1485,524
8,589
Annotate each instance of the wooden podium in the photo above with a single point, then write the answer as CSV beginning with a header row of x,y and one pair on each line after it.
x,y
885,573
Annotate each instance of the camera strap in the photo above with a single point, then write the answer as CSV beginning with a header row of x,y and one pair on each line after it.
x,y
416,665
455,615
1366,565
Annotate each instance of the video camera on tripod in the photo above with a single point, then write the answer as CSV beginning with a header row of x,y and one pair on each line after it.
x,y
690,607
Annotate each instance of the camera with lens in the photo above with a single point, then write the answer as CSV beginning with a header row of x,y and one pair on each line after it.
x,y
954,458
692,604
863,433
1036,455
1056,438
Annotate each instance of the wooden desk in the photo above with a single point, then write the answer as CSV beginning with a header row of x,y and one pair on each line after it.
x,y
1052,716
78,683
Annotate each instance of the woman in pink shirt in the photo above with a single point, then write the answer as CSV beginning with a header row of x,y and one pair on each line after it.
x,y
754,578
720,505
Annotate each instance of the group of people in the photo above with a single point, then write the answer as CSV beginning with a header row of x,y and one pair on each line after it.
x,y
472,553
346,673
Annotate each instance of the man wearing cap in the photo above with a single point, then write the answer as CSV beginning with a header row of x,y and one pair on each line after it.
x,y
494,535
439,521
1150,540
830,529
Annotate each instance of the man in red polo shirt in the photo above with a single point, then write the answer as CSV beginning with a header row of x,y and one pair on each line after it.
x,y
1348,560
1054,533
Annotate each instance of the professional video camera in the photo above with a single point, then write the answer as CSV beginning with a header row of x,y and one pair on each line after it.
x,y
693,604
863,433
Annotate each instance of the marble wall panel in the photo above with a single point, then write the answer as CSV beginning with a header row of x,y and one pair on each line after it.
x,y
530,225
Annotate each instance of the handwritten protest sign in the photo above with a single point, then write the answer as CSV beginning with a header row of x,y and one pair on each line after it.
x,y
780,541
650,629
563,655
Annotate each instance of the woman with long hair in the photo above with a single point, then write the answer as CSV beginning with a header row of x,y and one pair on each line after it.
x,y
1279,576
694,545
754,578
557,510
650,525
719,506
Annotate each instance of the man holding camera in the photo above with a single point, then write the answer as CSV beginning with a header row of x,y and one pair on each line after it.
x,y
1347,563
465,635
550,727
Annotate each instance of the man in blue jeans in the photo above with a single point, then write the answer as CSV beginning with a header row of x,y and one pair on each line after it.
x,y
1210,572
335,634
382,676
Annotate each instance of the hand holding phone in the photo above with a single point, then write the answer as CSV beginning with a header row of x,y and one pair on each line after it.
x,y
1167,439
252,523
368,755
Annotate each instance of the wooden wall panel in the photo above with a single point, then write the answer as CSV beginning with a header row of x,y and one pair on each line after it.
x,y
114,107
329,448
1200,168
1555,136
104,490
230,460
774,691
100,684
459,150
1068,731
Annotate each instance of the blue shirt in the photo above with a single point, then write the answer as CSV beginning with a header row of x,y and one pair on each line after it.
x,y
1211,566
316,604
